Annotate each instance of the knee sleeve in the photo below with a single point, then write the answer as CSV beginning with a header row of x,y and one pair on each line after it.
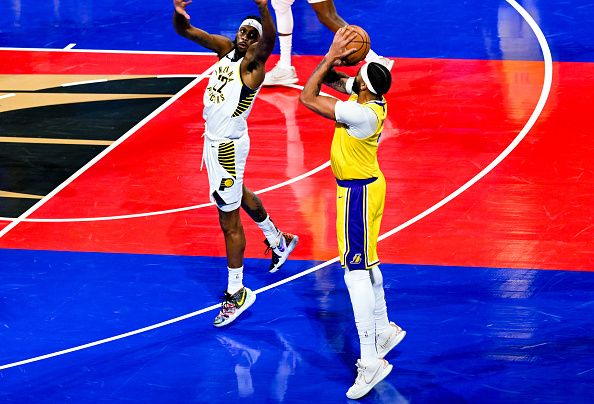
x,y
360,290
380,311
362,299
377,279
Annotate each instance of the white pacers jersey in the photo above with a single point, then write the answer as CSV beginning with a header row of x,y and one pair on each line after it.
x,y
227,101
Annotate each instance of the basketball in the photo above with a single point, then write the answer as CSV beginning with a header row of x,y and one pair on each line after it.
x,y
361,43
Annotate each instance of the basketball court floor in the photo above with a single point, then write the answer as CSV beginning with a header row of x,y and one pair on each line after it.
x,y
112,261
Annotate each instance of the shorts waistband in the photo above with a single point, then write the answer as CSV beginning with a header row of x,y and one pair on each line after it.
x,y
355,183
216,139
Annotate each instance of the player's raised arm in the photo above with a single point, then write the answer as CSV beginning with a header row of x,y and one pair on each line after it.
x,y
265,45
340,81
253,65
310,96
181,22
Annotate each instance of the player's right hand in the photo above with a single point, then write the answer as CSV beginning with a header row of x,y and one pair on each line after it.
x,y
338,49
180,7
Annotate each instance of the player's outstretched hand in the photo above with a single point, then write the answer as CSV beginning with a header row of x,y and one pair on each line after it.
x,y
338,49
261,3
180,7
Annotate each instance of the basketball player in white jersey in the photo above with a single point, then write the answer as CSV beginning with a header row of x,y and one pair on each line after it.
x,y
284,72
228,99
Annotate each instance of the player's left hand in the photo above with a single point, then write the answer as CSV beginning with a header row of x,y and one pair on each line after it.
x,y
338,49
180,7
261,3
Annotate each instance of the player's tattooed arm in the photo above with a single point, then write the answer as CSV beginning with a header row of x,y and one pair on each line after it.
x,y
310,95
337,80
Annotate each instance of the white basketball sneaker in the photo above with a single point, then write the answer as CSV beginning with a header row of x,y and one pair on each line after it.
x,y
233,305
368,377
280,75
387,340
386,62
280,253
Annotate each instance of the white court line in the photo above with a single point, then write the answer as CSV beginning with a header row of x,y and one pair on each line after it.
x,y
175,210
169,211
115,144
69,46
133,52
78,83
544,95
161,76
548,78
166,76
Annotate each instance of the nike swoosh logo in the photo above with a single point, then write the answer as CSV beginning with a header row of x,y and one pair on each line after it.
x,y
372,377
240,303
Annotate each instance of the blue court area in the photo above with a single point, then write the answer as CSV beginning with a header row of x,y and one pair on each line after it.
x,y
474,334
489,29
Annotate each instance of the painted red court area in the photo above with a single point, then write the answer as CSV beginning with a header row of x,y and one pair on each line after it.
x,y
448,119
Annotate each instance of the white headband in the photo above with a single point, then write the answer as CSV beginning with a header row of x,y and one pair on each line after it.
x,y
366,78
250,22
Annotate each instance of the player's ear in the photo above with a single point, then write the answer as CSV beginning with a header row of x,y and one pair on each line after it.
x,y
362,85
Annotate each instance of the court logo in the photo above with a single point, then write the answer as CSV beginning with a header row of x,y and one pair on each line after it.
x,y
226,183
356,259
40,125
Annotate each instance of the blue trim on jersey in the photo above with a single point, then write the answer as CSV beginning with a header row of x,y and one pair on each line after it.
x,y
356,255
355,182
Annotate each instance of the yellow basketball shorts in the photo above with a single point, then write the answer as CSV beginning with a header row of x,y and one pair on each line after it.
x,y
359,211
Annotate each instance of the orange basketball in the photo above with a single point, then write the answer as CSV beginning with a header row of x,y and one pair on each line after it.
x,y
361,43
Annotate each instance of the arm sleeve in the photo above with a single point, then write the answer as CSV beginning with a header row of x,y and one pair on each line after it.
x,y
361,122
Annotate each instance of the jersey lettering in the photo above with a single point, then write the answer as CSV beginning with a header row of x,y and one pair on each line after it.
x,y
215,91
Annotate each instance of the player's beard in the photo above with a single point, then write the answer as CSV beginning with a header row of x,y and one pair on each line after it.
x,y
238,53
356,86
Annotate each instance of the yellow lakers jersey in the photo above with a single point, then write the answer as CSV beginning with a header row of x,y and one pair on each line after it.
x,y
354,158
227,100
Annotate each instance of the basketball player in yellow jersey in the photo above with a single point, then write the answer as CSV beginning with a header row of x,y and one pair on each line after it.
x,y
228,100
361,191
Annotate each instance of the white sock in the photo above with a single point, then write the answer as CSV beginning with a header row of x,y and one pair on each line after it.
x,y
270,231
380,312
371,56
286,47
284,24
235,280
360,290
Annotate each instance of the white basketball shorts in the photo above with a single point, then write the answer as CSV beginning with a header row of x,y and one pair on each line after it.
x,y
225,162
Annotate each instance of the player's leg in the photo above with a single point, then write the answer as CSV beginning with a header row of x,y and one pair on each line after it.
x,y
283,72
225,162
234,246
326,12
237,297
280,243
388,334
351,234
327,15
